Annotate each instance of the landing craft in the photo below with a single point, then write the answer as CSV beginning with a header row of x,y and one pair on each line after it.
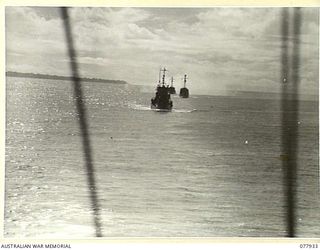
x,y
172,90
162,100
184,92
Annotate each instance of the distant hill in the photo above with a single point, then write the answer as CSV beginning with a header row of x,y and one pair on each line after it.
x,y
55,77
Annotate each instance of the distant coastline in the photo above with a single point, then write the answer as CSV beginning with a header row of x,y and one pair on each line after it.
x,y
65,78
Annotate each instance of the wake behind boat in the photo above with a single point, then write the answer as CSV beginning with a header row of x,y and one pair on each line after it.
x,y
162,100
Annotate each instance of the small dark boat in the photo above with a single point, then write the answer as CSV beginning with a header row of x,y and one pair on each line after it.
x,y
184,92
172,89
162,99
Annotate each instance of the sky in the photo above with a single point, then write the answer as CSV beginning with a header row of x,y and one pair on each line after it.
x,y
220,49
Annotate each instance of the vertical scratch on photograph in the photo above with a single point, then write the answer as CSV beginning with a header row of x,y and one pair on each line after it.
x,y
290,107
83,123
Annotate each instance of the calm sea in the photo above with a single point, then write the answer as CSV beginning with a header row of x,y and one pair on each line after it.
x,y
211,167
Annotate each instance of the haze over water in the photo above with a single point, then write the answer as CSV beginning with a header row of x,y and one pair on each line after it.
x,y
211,167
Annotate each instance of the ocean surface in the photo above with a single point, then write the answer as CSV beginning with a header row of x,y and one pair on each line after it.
x,y
210,168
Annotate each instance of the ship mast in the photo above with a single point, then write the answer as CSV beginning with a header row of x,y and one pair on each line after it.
x,y
160,76
163,76
184,81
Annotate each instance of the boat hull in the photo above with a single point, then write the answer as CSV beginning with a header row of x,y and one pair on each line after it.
x,y
161,106
184,93
162,99
172,90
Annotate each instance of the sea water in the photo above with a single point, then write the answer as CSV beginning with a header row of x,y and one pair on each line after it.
x,y
210,168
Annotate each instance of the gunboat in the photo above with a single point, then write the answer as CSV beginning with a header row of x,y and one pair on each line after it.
x,y
162,99
184,92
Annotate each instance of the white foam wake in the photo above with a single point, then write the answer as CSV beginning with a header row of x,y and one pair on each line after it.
x,y
146,108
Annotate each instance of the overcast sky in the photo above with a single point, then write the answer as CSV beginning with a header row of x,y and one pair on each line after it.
x,y
219,48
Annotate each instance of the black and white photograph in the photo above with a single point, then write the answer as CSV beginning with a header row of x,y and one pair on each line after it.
x,y
161,122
